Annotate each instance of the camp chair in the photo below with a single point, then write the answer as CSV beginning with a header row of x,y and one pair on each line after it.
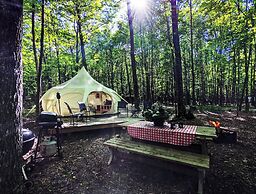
x,y
92,109
83,109
107,105
135,112
122,104
73,115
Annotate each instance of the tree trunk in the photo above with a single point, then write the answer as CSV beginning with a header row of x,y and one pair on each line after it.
x,y
143,83
227,94
34,39
203,96
39,70
33,34
127,75
133,62
111,68
171,58
71,49
213,85
186,72
148,93
254,78
122,76
247,105
221,87
152,73
234,79
58,61
11,96
108,70
178,69
251,78
192,54
246,60
252,73
245,85
79,25
238,80
145,73
77,43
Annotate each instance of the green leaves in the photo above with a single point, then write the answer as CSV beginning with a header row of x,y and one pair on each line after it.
x,y
220,28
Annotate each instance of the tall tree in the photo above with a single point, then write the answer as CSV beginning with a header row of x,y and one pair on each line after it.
x,y
133,62
192,54
33,32
171,50
234,78
11,96
178,69
79,26
39,69
127,75
58,59
77,42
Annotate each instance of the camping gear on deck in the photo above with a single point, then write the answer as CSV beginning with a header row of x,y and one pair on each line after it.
x,y
81,88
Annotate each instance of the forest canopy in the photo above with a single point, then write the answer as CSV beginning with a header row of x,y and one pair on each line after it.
x,y
217,42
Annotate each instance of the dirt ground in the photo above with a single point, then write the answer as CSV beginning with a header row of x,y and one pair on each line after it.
x,y
84,168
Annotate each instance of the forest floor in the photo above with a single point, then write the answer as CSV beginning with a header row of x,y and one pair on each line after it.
x,y
84,168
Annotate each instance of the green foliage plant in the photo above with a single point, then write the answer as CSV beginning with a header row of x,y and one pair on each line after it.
x,y
157,114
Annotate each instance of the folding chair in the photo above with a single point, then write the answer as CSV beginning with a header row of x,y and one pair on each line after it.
x,y
83,109
73,115
135,112
92,109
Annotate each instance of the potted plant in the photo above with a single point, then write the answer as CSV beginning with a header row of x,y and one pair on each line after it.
x,y
156,114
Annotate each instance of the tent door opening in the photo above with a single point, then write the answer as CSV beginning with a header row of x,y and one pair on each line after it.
x,y
100,101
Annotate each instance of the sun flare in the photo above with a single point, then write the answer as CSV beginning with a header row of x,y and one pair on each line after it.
x,y
140,8
139,5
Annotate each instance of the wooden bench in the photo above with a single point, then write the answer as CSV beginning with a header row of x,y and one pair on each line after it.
x,y
198,161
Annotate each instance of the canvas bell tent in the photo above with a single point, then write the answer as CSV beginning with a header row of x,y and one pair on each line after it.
x,y
81,88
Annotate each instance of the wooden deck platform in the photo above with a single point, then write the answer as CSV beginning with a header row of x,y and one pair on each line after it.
x,y
68,128
97,123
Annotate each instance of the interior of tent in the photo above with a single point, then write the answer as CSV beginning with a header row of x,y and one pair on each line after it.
x,y
100,101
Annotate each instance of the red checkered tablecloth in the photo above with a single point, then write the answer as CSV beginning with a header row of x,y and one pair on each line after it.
x,y
147,131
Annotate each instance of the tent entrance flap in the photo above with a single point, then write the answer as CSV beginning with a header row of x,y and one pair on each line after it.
x,y
100,101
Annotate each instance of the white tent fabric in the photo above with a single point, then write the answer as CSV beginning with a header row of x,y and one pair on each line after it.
x,y
77,90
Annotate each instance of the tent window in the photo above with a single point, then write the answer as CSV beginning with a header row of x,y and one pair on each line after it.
x,y
97,95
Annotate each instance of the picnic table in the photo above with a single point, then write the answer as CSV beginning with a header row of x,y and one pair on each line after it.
x,y
179,136
184,136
